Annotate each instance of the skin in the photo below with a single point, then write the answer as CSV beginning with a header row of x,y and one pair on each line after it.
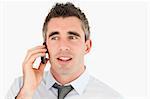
x,y
66,45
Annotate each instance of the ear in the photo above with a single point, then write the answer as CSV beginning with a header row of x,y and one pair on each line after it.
x,y
88,45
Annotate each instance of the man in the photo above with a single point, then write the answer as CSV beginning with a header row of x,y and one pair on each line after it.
x,y
67,39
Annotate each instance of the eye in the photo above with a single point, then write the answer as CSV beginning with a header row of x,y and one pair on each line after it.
x,y
73,37
54,38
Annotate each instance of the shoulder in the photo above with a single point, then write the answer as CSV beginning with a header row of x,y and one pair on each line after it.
x,y
98,88
15,87
18,82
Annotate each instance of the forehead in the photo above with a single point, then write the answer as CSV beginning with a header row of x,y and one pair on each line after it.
x,y
61,24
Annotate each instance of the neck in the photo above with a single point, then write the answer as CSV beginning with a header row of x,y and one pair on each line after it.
x,y
67,77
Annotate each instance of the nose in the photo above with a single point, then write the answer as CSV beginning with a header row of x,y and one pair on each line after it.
x,y
64,45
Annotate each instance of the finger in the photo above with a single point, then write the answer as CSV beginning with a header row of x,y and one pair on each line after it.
x,y
32,58
37,47
31,52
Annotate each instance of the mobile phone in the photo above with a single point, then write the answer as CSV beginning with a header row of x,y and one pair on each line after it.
x,y
43,59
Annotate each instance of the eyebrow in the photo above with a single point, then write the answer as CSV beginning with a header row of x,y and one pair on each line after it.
x,y
53,33
74,33
69,33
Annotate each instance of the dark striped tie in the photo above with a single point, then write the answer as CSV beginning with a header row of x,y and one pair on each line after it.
x,y
62,90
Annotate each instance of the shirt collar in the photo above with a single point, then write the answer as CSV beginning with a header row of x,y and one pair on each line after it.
x,y
81,82
78,84
50,80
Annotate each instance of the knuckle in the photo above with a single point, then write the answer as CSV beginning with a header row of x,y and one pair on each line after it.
x,y
28,51
24,63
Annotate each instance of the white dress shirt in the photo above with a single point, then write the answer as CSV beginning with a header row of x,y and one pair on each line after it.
x,y
85,87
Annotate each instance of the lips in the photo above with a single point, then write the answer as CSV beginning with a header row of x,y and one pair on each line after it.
x,y
64,59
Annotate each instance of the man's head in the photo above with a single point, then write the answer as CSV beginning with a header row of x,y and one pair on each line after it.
x,y
66,32
67,10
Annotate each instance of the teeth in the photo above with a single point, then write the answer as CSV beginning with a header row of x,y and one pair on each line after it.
x,y
64,58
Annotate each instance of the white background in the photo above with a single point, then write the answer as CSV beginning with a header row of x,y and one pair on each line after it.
x,y
120,35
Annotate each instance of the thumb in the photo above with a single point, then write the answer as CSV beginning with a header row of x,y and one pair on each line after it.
x,y
42,66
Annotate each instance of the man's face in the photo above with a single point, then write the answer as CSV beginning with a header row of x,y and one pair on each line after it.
x,y
66,44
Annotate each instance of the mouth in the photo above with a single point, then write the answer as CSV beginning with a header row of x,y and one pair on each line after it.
x,y
64,59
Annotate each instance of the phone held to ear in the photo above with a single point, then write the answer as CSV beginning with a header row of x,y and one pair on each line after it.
x,y
43,59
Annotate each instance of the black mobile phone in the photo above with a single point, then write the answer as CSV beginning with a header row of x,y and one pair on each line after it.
x,y
43,59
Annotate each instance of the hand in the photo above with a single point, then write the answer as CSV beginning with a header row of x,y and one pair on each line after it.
x,y
32,76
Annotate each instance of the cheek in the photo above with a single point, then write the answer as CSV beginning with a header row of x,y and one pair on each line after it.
x,y
51,49
79,49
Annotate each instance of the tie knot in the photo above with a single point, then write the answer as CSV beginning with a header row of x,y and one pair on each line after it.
x,y
62,90
59,87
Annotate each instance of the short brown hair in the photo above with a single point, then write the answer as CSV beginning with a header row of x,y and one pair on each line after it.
x,y
66,10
